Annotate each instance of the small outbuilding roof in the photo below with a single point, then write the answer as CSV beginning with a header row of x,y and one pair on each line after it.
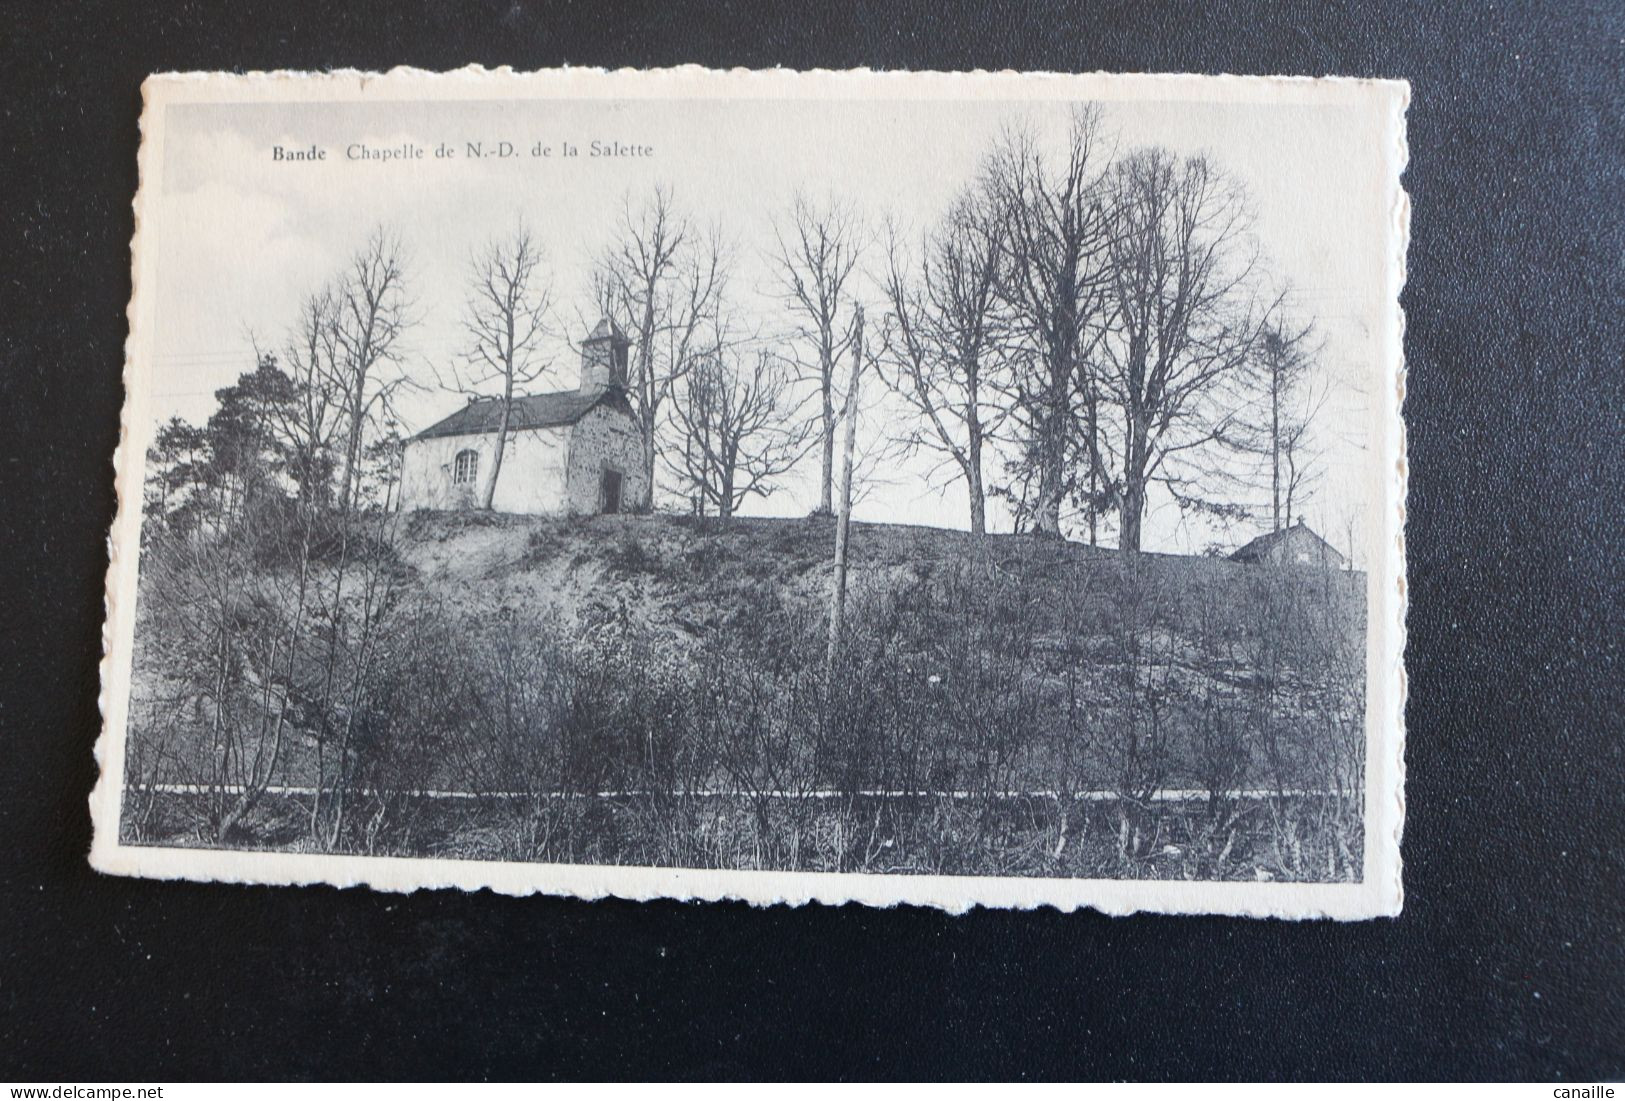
x,y
551,410
1258,549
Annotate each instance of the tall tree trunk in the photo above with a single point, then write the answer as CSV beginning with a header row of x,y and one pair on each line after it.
x,y
646,382
1133,510
1137,458
973,454
978,495
649,456
1275,445
1291,483
1092,428
352,453
646,430
1051,460
837,610
509,365
502,447
725,499
826,480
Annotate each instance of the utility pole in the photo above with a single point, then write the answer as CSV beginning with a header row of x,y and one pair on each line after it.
x,y
843,522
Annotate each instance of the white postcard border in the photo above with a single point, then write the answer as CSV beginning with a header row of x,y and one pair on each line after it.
x,y
1380,893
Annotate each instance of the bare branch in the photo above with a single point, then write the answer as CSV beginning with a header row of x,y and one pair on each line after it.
x,y
737,423
506,320
661,281
818,247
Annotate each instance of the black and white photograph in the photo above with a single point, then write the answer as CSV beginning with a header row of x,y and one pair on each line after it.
x,y
959,490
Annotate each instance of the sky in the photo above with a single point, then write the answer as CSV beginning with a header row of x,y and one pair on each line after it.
x,y
241,238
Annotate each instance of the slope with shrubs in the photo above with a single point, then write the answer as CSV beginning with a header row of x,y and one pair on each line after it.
x,y
996,702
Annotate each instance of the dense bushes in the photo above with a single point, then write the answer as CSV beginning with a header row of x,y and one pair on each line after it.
x,y
980,717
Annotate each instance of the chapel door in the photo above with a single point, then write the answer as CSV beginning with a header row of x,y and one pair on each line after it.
x,y
612,491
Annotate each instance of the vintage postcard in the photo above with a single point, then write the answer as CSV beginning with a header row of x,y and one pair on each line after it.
x,y
944,489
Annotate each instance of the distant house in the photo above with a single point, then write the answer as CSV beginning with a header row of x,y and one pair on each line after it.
x,y
1291,546
570,451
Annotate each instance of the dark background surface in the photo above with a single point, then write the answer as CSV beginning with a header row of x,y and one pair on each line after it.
x,y
1507,961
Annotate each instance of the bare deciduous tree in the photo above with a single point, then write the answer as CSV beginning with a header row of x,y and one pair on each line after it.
x,y
738,422
370,312
1053,281
945,340
661,281
1284,359
843,521
818,247
310,425
506,320
1182,327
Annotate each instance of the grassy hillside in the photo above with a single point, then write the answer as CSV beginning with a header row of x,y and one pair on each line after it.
x,y
691,581
989,692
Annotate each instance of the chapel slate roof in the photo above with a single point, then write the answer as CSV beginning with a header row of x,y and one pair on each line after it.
x,y
552,410
1259,548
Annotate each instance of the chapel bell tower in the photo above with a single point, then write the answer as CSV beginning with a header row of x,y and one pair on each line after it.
x,y
603,358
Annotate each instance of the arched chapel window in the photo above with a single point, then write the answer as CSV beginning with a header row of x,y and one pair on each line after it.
x,y
465,468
